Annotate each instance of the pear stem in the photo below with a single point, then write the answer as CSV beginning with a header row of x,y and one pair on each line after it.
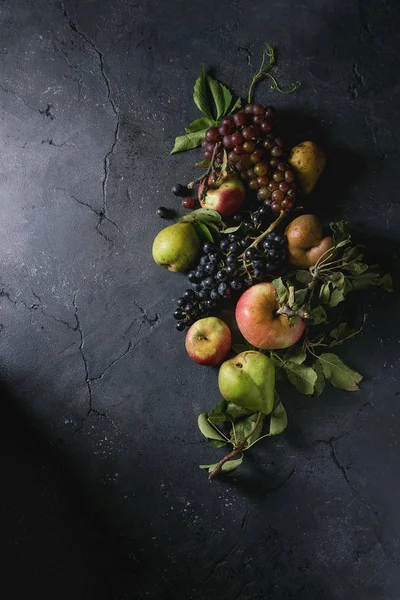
x,y
234,452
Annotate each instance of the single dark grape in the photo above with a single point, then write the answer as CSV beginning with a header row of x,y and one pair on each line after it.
x,y
221,276
189,308
164,213
208,247
229,260
234,248
210,268
189,295
208,282
181,325
238,218
196,287
240,119
251,253
236,284
178,314
224,243
192,277
212,134
204,259
180,302
231,270
214,294
189,203
180,190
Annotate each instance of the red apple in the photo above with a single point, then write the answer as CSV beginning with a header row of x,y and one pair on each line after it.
x,y
208,341
260,325
226,196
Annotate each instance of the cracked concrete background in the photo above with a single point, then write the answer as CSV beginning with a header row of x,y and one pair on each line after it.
x,y
101,493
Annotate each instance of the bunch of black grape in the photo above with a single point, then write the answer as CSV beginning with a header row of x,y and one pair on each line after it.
x,y
256,151
231,265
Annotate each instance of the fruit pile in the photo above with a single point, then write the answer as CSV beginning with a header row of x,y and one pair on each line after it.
x,y
228,267
285,272
257,153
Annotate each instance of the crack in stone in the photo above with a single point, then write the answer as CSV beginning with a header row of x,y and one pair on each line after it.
x,y
146,318
107,158
98,213
360,82
18,98
236,545
112,363
84,359
248,53
366,503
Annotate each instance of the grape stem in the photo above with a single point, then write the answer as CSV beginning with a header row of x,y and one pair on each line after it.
x,y
234,452
269,51
260,238
204,177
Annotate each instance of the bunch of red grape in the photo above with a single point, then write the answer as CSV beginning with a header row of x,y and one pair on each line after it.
x,y
256,151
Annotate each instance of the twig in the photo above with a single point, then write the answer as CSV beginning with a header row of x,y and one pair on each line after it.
x,y
205,175
260,238
234,452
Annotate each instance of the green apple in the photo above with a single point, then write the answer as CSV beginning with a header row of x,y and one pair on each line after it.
x,y
176,247
248,380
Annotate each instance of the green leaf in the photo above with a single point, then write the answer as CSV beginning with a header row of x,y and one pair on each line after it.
x,y
339,374
232,229
340,232
200,94
299,297
245,426
302,377
230,465
221,96
303,276
325,293
296,355
278,421
342,332
216,443
385,282
207,429
187,142
201,214
320,381
337,280
356,268
336,297
281,289
236,106
203,232
201,124
317,315
203,164
234,411
219,413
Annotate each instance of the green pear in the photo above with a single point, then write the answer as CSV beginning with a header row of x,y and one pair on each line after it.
x,y
248,380
176,247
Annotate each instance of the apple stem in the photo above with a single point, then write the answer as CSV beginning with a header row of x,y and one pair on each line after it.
x,y
289,312
234,452
260,238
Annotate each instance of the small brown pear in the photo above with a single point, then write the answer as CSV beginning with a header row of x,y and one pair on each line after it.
x,y
306,243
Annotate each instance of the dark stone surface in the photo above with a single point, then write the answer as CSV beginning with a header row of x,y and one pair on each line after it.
x,y
101,492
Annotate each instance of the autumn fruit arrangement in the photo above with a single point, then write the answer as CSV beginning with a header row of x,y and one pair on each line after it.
x,y
250,242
